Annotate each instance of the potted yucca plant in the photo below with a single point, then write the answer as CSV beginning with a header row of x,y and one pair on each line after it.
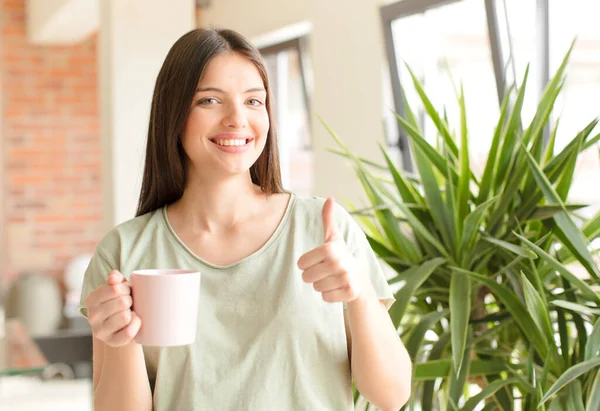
x,y
487,302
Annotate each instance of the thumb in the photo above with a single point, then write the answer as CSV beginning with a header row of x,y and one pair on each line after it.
x,y
115,277
330,230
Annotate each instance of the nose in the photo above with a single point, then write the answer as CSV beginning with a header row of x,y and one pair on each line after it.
x,y
235,116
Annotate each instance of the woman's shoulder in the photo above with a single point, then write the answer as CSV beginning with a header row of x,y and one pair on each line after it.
x,y
310,209
130,231
314,205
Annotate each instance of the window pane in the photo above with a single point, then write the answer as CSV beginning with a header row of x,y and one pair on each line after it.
x,y
293,127
517,29
451,39
580,100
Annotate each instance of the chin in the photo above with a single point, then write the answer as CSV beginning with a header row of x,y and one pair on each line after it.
x,y
236,170
241,166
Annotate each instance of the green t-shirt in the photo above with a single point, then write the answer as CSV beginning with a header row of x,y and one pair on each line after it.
x,y
266,340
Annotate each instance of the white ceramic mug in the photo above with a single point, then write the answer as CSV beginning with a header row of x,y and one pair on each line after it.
x,y
167,303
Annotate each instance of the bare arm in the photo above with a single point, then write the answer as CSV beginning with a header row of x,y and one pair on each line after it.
x,y
120,378
381,366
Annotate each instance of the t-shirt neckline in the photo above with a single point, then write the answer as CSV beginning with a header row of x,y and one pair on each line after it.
x,y
272,240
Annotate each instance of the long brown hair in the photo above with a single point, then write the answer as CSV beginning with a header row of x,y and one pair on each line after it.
x,y
165,171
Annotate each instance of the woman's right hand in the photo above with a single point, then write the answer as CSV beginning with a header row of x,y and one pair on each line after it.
x,y
110,314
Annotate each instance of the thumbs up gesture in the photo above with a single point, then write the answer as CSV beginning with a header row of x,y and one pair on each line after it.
x,y
331,268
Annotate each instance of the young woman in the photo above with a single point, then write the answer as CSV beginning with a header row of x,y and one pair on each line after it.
x,y
293,302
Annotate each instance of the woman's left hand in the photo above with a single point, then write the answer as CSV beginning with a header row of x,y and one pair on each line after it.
x,y
331,268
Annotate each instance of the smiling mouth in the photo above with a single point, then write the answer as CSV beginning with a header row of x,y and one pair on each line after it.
x,y
232,142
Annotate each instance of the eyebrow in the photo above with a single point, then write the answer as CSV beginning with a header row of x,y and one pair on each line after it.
x,y
250,90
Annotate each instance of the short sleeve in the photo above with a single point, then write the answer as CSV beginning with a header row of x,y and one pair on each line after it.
x,y
94,277
370,264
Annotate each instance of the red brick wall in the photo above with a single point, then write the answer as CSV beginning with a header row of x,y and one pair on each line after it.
x,y
51,161
52,155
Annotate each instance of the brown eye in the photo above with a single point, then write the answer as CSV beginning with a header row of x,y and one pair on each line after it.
x,y
255,102
207,101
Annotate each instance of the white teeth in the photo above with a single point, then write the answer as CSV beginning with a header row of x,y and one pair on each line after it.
x,y
236,142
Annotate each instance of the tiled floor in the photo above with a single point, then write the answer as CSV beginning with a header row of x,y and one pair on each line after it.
x,y
30,394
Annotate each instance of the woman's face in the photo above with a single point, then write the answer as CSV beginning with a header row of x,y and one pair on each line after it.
x,y
227,127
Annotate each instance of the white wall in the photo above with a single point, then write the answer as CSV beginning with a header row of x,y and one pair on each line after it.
x,y
60,21
3,263
134,38
347,55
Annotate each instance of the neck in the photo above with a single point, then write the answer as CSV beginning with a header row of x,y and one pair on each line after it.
x,y
210,204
